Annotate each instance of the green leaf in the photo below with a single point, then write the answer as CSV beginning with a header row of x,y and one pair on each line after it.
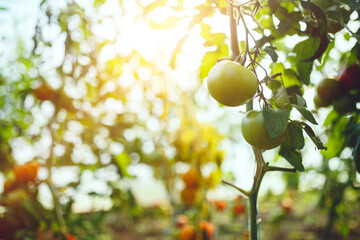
x,y
306,114
313,137
271,51
291,155
336,139
296,135
307,48
297,100
275,120
304,70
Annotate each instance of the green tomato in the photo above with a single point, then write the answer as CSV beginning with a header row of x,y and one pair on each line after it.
x,y
329,89
345,104
15,197
231,84
255,133
320,102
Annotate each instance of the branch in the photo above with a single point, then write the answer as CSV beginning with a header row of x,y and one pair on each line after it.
x,y
246,193
281,169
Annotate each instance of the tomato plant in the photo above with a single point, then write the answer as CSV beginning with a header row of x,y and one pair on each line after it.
x,y
231,84
255,133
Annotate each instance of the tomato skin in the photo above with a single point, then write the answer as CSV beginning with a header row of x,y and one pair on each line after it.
x,y
191,178
255,133
349,77
239,209
319,102
220,205
71,237
208,229
9,185
330,89
26,172
188,195
15,197
345,104
231,84
187,233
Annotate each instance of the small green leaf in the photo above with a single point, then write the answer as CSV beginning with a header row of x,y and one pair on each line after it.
x,y
291,155
271,51
313,137
296,135
275,120
297,100
306,114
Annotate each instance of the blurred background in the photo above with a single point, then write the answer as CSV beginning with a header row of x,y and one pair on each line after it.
x,y
107,101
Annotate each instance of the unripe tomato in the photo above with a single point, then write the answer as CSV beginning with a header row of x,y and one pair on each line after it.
x,y
231,84
191,178
255,133
329,89
207,229
319,102
15,197
187,233
345,104
349,77
324,4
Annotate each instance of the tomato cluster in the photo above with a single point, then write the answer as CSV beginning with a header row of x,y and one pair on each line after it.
x,y
205,231
232,84
339,92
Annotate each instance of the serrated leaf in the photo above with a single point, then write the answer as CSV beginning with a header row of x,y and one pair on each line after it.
x,y
313,137
292,156
271,51
275,120
296,134
306,114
